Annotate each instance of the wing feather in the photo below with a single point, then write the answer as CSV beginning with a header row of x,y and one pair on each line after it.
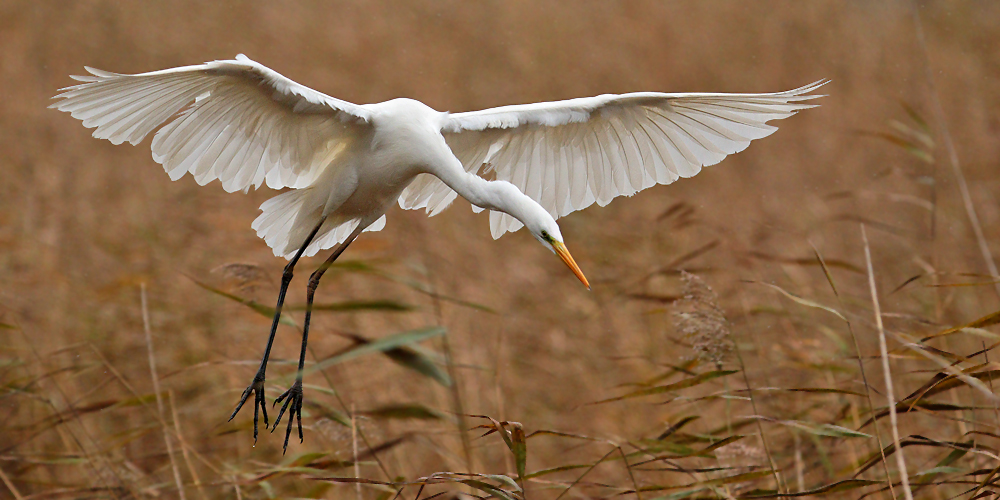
x,y
576,169
601,172
653,155
236,121
567,155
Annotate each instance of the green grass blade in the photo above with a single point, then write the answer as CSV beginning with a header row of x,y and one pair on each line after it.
x,y
683,384
357,306
258,308
392,343
406,411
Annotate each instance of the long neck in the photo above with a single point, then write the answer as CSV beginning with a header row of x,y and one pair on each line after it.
x,y
501,196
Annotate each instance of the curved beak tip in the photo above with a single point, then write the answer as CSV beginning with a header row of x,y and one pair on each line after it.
x,y
564,254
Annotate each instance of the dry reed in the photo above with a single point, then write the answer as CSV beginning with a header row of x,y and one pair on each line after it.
x,y
83,223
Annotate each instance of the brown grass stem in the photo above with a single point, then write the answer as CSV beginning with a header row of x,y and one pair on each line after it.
x,y
760,428
344,407
97,462
184,446
631,476
455,391
728,403
508,458
963,187
574,483
354,449
10,486
156,390
864,376
883,350
996,404
456,401
912,344
799,466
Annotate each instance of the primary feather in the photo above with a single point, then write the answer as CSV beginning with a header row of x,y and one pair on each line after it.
x,y
242,123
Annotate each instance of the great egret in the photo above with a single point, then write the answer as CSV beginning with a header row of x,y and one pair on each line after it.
x,y
246,125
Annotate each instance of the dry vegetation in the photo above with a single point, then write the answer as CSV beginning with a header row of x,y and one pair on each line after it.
x,y
772,384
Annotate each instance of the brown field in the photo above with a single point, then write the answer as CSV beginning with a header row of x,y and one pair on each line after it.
x,y
85,224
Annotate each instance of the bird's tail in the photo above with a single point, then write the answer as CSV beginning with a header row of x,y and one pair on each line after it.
x,y
288,218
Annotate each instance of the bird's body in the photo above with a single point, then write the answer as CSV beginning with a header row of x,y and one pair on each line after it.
x,y
364,176
245,125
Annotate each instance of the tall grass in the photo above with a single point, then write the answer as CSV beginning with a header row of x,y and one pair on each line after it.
x,y
731,347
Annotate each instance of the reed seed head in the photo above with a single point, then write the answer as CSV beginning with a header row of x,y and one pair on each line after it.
x,y
701,320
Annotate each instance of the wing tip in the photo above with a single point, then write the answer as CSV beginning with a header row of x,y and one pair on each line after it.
x,y
799,93
85,78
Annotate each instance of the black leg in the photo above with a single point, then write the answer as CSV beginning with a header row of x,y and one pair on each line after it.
x,y
293,396
257,386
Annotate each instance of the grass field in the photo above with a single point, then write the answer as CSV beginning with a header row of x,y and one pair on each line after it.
x,y
851,248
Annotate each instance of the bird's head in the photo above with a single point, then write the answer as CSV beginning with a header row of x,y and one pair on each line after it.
x,y
544,228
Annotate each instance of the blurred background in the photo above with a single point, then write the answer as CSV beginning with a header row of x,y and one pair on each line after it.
x,y
85,224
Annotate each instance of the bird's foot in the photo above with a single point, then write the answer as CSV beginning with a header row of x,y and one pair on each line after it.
x,y
293,398
257,388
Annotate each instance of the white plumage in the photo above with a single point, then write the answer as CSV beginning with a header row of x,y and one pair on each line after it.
x,y
346,164
246,125
568,154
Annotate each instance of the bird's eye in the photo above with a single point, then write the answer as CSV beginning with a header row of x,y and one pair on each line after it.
x,y
545,236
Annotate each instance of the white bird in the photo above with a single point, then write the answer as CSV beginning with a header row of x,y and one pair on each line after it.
x,y
346,164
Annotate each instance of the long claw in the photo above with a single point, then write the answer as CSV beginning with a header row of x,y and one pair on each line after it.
x,y
301,439
259,407
280,412
243,399
288,432
262,403
292,398
256,408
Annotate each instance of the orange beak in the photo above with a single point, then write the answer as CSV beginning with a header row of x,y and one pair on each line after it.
x,y
568,259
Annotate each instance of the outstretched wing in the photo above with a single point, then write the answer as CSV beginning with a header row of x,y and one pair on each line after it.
x,y
566,155
242,123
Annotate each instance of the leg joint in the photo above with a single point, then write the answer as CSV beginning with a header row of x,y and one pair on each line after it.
x,y
314,281
286,275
